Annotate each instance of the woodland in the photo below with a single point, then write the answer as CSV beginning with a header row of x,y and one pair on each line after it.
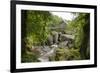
x,y
46,37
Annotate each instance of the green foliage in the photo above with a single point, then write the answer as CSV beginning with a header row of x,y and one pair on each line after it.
x,y
37,24
29,58
30,40
66,54
55,21
81,27
35,31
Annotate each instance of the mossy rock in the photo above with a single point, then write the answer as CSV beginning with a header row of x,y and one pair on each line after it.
x,y
66,54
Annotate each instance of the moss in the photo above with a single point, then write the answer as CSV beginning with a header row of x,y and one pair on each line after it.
x,y
29,57
66,54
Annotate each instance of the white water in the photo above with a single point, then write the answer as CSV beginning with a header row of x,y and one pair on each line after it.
x,y
45,57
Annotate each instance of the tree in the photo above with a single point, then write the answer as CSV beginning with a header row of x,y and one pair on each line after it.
x,y
37,26
34,30
81,26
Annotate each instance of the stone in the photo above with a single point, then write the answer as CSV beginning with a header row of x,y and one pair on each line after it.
x,y
49,40
55,37
63,44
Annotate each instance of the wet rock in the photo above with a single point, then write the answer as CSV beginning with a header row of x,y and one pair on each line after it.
x,y
65,37
49,52
49,40
52,39
55,37
63,44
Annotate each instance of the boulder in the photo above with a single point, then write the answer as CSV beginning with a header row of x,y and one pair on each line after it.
x,y
65,37
63,44
55,37
49,40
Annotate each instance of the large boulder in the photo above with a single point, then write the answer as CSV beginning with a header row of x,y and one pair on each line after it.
x,y
52,39
49,41
63,44
66,37
55,37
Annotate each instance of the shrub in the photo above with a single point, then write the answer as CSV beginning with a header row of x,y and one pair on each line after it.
x,y
66,54
29,57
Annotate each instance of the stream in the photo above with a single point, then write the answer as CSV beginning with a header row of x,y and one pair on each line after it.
x,y
45,57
